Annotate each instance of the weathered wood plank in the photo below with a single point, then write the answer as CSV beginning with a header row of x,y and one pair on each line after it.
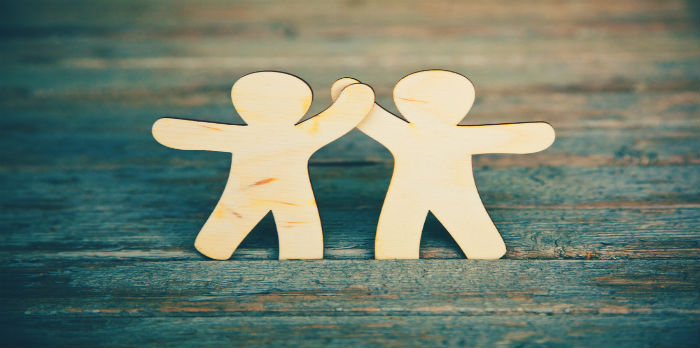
x,y
632,45
176,80
627,212
346,287
613,185
139,14
617,128
385,300
611,330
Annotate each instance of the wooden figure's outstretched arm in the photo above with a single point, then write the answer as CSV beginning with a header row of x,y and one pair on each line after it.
x,y
380,125
185,134
516,138
353,104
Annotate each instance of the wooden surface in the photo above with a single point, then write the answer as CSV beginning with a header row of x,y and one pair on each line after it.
x,y
270,160
98,219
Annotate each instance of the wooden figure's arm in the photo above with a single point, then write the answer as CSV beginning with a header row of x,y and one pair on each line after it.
x,y
516,138
380,125
353,104
185,134
384,127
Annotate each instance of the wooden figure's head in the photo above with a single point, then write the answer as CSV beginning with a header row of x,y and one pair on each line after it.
x,y
271,97
434,96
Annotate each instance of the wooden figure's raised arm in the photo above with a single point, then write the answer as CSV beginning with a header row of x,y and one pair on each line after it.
x,y
518,138
185,134
353,104
380,125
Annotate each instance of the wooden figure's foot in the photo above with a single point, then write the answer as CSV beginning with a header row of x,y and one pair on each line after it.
x,y
299,230
469,224
308,246
225,230
399,230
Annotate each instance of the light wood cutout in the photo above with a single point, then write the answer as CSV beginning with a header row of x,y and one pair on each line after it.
x,y
432,163
269,168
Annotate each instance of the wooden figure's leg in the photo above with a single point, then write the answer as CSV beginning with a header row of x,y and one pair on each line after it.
x,y
226,227
299,232
298,224
400,223
399,231
469,223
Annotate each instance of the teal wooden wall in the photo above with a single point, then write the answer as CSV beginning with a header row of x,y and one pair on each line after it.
x,y
97,220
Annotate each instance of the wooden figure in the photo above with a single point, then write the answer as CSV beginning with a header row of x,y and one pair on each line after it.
x,y
269,168
432,163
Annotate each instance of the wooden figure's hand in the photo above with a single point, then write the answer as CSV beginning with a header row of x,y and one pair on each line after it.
x,y
381,125
185,134
353,104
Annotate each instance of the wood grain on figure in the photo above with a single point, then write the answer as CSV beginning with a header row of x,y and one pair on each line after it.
x,y
269,169
432,163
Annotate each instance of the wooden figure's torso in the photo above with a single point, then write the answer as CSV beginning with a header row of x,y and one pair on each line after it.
x,y
267,180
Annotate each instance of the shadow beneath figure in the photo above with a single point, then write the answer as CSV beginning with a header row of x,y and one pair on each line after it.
x,y
261,243
350,178
437,243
